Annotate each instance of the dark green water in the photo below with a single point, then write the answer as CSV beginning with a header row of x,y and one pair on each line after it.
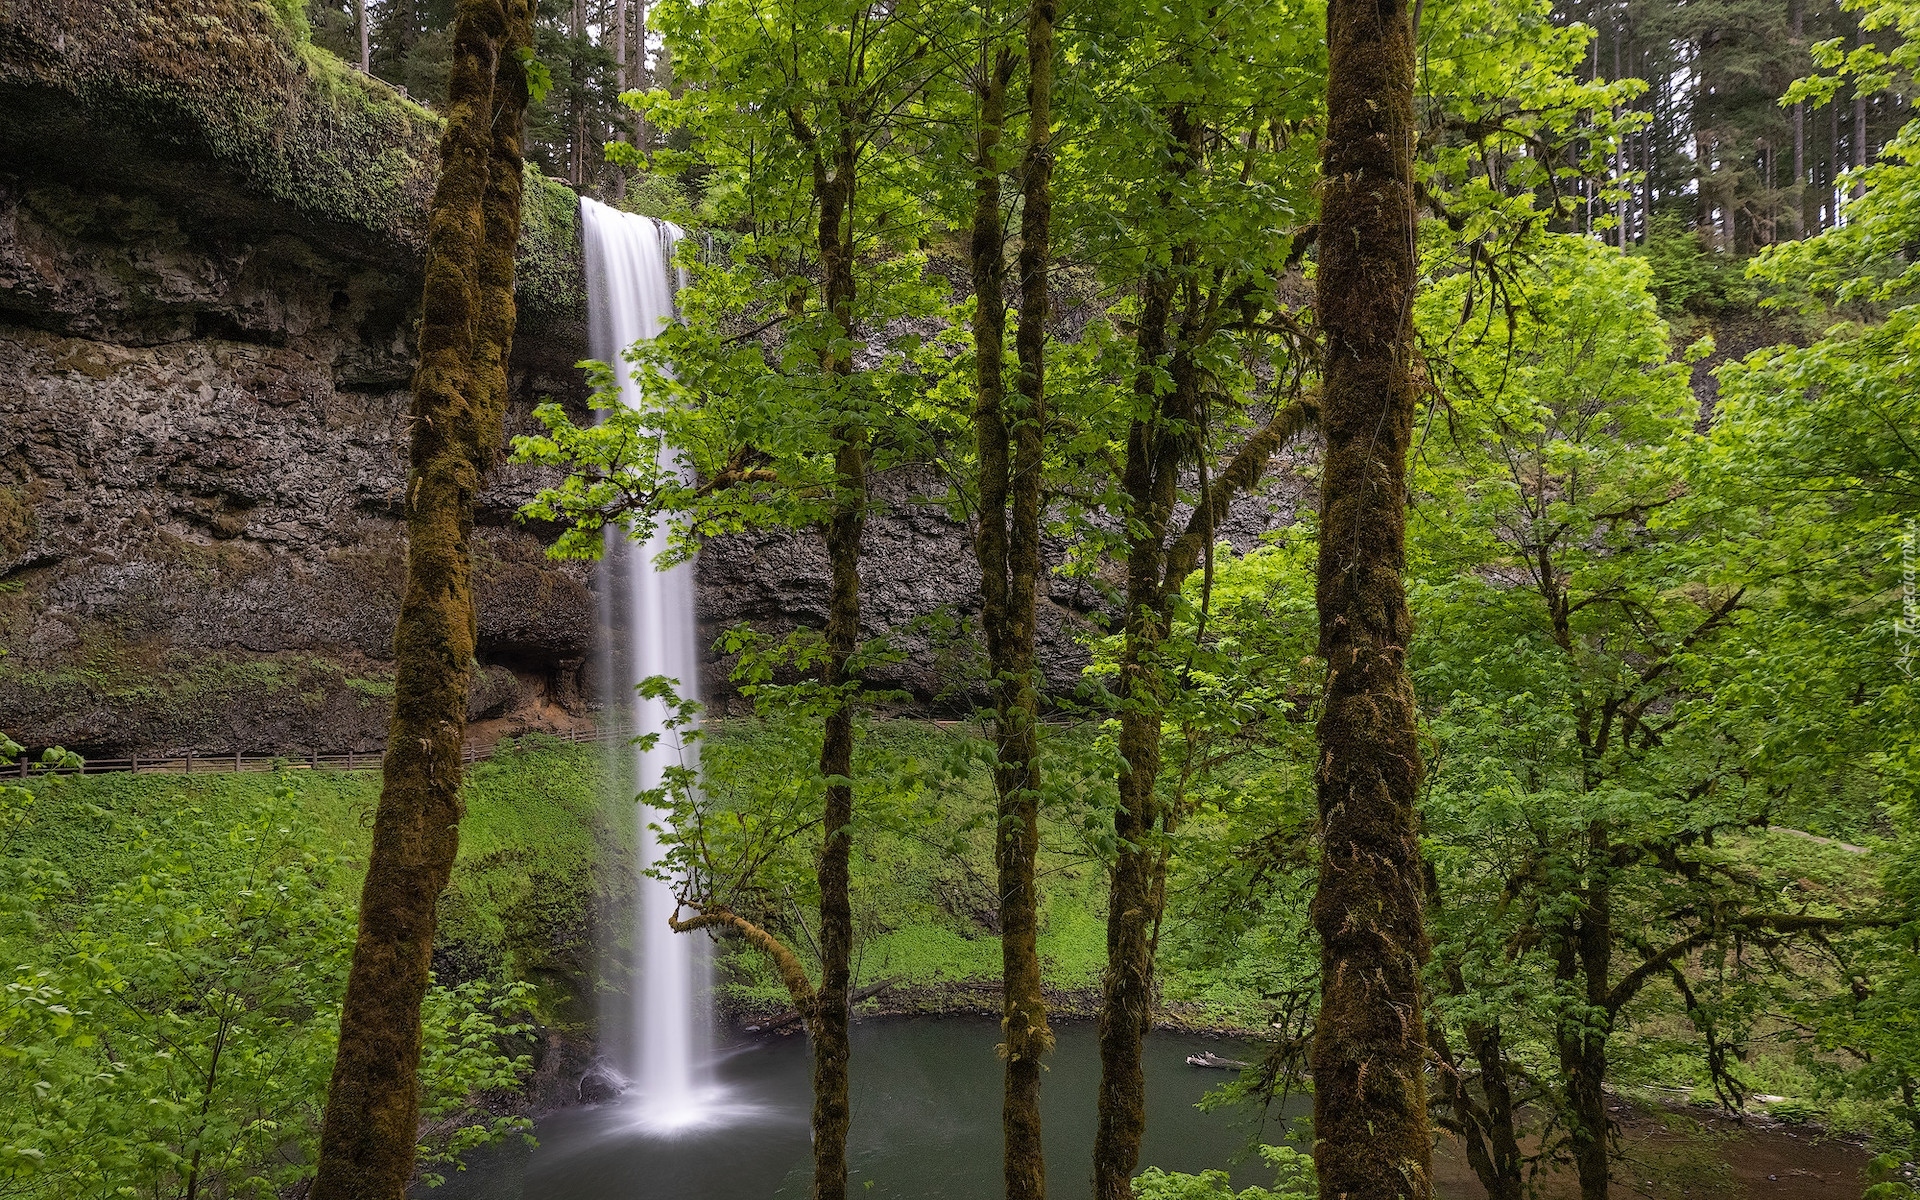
x,y
926,1125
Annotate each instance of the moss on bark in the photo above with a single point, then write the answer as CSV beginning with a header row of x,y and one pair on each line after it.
x,y
1369,1050
466,330
171,87
1007,545
1028,1037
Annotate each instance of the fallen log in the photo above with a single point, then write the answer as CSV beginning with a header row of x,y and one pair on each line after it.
x,y
1210,1059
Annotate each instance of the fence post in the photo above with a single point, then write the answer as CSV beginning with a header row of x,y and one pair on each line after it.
x,y
189,762
135,769
236,762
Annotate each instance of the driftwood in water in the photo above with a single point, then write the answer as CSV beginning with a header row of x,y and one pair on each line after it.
x,y
1210,1059
792,1016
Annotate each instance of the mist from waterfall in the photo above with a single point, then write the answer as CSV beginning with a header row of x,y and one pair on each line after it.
x,y
663,1039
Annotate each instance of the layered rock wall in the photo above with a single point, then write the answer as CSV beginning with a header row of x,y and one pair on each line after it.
x,y
202,454
210,245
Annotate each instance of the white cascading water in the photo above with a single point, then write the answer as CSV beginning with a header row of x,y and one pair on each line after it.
x,y
630,289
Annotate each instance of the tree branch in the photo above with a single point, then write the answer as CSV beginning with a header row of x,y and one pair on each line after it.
x,y
1241,476
1782,923
793,973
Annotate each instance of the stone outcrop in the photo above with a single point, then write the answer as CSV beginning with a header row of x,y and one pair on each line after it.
x,y
210,245
201,462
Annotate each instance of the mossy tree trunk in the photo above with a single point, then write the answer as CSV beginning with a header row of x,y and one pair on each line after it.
x,y
371,1123
1150,479
1177,316
793,973
834,177
1007,543
1159,440
1017,777
1369,1050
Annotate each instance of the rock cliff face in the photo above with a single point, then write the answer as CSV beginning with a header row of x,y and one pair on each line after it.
x,y
210,239
202,442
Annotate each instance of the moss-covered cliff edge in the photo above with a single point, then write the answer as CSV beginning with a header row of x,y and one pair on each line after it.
x,y
225,107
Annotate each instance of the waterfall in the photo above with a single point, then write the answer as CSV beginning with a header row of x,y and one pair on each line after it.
x,y
630,289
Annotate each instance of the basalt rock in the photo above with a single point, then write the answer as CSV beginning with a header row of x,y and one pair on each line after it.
x,y
211,238
201,467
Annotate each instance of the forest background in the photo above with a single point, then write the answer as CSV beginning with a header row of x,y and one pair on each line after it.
x,y
1664,626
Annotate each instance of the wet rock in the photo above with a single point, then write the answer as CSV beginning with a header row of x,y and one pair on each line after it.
x,y
599,1085
202,469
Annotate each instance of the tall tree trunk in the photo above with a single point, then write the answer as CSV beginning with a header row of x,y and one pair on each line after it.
x,y
1369,1050
1834,166
459,401
639,76
620,74
832,1048
1624,160
1156,569
1017,774
1009,557
1582,1042
1862,153
1126,987
1160,439
831,1045
1646,154
1802,216
366,40
576,96
620,84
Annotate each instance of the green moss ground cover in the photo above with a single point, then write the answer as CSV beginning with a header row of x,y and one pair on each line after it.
x,y
520,901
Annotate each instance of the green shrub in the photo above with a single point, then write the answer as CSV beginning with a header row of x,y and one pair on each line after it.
x,y
1296,1181
1691,277
172,1026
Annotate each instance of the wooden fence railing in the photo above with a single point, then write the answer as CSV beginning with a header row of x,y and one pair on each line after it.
x,y
191,762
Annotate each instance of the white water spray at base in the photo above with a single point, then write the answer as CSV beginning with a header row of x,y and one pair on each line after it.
x,y
630,289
